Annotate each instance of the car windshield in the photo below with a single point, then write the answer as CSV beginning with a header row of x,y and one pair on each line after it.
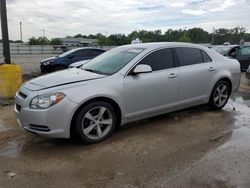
x,y
67,53
112,61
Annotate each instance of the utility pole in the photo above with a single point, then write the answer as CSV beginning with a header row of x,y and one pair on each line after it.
x,y
43,33
185,31
21,32
213,37
5,34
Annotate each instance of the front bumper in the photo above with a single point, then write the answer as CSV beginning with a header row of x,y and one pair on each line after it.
x,y
46,68
53,122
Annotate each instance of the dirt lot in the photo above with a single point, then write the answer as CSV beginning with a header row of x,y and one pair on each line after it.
x,y
195,147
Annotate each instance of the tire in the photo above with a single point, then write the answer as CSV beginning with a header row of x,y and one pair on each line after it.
x,y
95,122
219,95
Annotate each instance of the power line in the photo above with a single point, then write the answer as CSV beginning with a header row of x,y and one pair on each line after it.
x,y
30,26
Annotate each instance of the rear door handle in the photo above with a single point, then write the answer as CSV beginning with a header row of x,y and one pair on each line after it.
x,y
172,75
211,69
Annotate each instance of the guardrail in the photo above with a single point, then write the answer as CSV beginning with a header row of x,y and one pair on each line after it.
x,y
22,49
33,49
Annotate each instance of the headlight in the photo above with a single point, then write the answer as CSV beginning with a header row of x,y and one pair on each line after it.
x,y
46,101
47,63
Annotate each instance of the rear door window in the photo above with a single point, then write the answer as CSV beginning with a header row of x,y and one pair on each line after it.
x,y
189,56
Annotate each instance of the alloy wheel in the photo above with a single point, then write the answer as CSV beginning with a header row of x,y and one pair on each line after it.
x,y
97,122
221,95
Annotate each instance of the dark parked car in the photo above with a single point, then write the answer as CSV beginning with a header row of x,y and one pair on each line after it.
x,y
241,53
243,56
248,74
64,60
226,49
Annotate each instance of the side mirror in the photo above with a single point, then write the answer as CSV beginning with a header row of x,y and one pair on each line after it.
x,y
142,69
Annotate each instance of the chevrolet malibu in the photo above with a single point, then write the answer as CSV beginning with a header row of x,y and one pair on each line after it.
x,y
125,84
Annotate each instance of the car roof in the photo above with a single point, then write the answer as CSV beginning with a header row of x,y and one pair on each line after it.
x,y
226,46
88,48
154,45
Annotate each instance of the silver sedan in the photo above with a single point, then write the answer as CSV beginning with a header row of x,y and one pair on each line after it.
x,y
125,84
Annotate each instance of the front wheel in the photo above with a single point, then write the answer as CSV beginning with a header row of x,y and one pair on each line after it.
x,y
95,122
219,95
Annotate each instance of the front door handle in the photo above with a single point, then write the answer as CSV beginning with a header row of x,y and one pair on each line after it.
x,y
211,69
173,75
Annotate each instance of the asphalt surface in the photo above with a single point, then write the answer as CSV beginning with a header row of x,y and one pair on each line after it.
x,y
195,147
30,63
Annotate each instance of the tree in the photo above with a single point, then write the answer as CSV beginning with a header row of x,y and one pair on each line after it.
x,y
104,41
91,37
195,35
198,35
184,39
39,41
229,35
33,41
173,35
56,41
43,41
119,39
78,36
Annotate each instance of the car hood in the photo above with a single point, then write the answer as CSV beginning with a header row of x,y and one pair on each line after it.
x,y
60,78
49,59
79,63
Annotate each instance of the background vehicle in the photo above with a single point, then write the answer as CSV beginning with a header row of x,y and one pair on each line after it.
x,y
125,84
226,50
241,53
64,60
248,74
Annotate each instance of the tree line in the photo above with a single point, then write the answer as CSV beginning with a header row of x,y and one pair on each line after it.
x,y
194,35
44,41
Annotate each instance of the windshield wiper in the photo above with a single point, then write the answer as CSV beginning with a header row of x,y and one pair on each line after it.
x,y
95,71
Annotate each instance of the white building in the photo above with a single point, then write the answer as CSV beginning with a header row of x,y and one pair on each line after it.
x,y
79,42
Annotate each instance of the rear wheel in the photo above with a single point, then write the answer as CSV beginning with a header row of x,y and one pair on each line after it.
x,y
220,95
95,122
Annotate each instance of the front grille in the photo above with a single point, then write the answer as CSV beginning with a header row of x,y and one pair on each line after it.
x,y
18,107
41,128
24,96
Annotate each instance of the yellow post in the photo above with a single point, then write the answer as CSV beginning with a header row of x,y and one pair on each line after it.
x,y
10,80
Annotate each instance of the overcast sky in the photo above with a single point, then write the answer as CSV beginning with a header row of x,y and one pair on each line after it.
x,y
60,18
